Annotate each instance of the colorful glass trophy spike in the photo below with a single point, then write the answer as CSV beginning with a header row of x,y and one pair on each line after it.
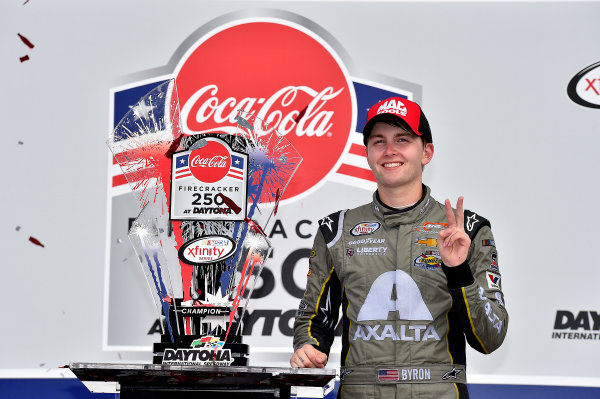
x,y
205,201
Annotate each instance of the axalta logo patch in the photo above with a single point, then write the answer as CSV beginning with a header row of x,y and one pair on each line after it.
x,y
204,250
584,87
365,228
311,104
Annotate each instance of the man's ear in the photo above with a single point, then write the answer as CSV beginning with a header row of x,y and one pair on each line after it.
x,y
427,154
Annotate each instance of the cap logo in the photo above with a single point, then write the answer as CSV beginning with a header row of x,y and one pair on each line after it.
x,y
392,106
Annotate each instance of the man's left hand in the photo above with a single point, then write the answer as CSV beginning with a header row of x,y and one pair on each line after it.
x,y
453,242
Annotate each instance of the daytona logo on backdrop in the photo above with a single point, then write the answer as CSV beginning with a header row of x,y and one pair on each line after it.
x,y
301,90
583,325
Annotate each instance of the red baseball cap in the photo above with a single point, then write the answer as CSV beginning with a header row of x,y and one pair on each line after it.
x,y
393,109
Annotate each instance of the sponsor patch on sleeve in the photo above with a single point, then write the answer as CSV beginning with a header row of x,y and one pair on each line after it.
x,y
493,280
494,261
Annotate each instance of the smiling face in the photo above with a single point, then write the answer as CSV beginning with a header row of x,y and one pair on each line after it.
x,y
397,157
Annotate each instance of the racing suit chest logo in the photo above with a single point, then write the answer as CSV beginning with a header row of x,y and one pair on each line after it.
x,y
365,228
408,302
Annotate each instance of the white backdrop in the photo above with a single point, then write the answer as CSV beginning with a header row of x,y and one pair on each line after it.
x,y
492,77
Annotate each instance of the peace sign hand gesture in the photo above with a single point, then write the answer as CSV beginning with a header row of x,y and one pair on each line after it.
x,y
453,242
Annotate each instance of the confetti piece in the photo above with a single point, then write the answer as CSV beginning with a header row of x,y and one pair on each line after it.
x,y
254,226
276,202
36,241
198,144
243,123
120,358
26,41
300,115
229,202
119,240
24,58
18,228
20,142
42,364
26,1
173,147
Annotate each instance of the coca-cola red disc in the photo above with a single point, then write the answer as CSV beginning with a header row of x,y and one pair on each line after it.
x,y
210,163
282,73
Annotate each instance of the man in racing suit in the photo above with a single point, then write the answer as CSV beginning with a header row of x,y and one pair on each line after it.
x,y
413,279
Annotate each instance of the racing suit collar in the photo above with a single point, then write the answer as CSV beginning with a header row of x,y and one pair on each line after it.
x,y
394,217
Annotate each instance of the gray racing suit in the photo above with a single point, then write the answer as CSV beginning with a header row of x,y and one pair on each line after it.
x,y
405,315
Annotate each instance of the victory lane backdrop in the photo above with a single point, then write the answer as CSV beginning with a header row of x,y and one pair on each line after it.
x,y
315,115
510,90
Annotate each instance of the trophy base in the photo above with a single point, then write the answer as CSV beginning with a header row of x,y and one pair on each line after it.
x,y
232,353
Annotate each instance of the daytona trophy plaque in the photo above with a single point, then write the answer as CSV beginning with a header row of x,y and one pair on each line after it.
x,y
205,202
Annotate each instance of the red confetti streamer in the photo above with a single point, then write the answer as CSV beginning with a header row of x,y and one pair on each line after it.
x,y
26,41
254,226
301,115
230,204
36,241
26,1
173,147
24,58
277,196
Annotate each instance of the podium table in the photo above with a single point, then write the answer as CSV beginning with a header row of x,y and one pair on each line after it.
x,y
153,381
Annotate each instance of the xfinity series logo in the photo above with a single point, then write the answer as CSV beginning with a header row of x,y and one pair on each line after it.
x,y
584,88
365,228
205,250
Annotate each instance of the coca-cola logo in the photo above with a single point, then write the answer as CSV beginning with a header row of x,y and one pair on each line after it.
x,y
210,163
284,75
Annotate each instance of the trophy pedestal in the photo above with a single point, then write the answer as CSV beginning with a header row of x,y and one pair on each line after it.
x,y
151,381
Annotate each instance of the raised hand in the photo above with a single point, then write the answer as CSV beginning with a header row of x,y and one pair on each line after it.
x,y
453,242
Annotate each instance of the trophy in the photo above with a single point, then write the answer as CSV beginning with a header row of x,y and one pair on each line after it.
x,y
206,200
